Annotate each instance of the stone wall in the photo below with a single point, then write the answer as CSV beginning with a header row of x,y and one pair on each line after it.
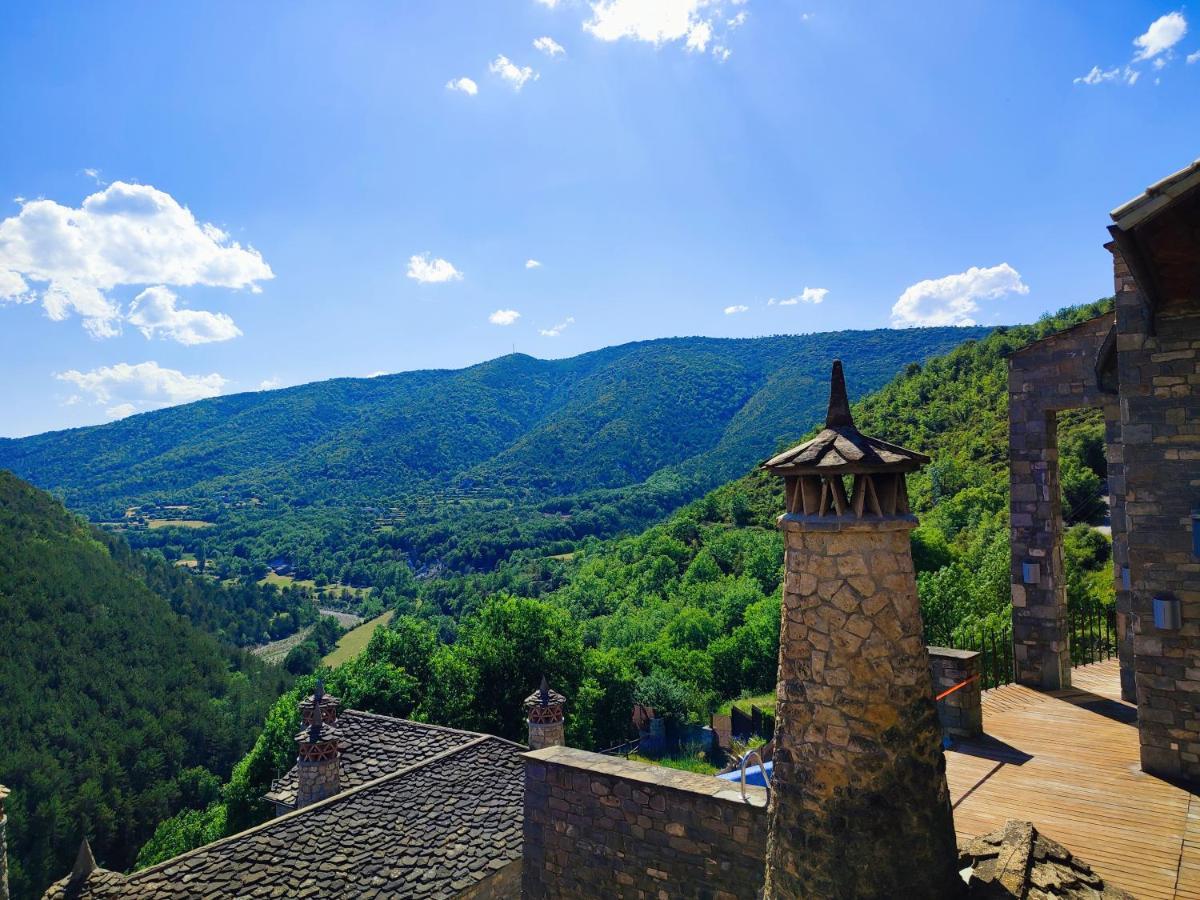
x,y
1158,358
859,802
961,713
602,826
503,884
1049,376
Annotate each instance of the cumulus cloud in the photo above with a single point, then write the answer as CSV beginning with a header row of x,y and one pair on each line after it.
x,y
504,317
1193,57
154,312
734,310
126,234
549,4
954,299
555,330
660,22
120,411
808,295
463,85
124,388
532,264
1163,34
549,46
428,270
512,73
269,384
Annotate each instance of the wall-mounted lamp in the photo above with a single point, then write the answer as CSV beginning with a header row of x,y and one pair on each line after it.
x,y
1167,614
1031,572
1125,580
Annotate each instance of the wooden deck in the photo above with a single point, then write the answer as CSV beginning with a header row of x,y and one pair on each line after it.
x,y
1068,762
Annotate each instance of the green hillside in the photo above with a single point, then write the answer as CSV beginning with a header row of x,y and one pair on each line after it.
x,y
117,711
353,479
685,615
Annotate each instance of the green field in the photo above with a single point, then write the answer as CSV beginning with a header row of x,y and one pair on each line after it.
x,y
332,589
178,523
353,642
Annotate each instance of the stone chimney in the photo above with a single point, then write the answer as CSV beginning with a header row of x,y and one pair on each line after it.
x,y
859,805
318,760
4,792
544,709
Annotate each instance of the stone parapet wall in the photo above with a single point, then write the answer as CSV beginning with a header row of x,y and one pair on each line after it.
x,y
601,826
960,713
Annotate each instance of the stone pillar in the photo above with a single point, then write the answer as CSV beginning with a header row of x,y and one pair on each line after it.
x,y
1115,454
859,806
1041,629
960,713
544,710
4,792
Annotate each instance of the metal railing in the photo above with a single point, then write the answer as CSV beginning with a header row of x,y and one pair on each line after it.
x,y
623,749
1093,634
995,649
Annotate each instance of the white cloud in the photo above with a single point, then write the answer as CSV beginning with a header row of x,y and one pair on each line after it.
x,y
953,300
549,46
556,330
1116,73
93,174
734,310
658,22
431,271
721,52
532,264
512,73
1163,34
808,295
737,21
1160,62
125,389
504,317
1193,57
126,234
463,85
698,36
155,314
549,4
269,384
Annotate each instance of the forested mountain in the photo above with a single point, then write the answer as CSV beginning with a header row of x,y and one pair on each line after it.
x,y
686,614
353,479
117,710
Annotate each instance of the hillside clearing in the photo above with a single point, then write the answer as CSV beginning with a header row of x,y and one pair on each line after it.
x,y
353,642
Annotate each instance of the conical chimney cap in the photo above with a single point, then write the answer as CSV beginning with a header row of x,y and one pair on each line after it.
x,y
841,448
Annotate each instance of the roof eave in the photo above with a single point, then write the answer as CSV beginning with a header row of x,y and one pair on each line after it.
x,y
1157,197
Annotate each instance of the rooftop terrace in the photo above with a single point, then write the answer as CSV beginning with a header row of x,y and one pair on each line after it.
x,y
1069,761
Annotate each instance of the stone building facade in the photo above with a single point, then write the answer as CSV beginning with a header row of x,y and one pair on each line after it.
x,y
859,802
1142,366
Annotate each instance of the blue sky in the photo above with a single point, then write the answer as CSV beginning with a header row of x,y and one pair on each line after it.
x,y
285,192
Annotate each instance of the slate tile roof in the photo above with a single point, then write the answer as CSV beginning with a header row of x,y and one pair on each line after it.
x,y
431,830
374,746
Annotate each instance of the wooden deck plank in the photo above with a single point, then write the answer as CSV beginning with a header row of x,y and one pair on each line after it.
x,y
1069,762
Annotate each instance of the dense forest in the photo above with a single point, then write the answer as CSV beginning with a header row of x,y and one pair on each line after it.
x,y
117,710
362,482
686,614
